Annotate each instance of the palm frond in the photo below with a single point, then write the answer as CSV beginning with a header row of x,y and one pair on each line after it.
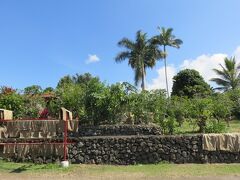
x,y
229,74
127,43
122,56
222,88
166,38
141,54
220,81
223,74
177,42
229,64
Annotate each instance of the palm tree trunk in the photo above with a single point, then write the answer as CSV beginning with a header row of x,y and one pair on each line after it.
x,y
165,64
143,78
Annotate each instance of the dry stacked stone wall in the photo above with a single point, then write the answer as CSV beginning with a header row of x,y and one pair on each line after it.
x,y
125,150
137,149
119,130
125,145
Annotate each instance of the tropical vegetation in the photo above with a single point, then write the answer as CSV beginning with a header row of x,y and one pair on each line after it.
x,y
190,83
164,39
94,102
141,54
228,75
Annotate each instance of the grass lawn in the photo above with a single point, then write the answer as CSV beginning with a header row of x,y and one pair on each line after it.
x,y
234,126
188,128
170,169
95,171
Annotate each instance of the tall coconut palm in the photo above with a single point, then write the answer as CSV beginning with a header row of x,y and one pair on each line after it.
x,y
141,54
228,75
166,38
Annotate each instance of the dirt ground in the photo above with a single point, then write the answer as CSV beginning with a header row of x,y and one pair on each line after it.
x,y
76,176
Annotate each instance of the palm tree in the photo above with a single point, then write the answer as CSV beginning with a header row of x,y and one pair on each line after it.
x,y
141,54
229,75
166,38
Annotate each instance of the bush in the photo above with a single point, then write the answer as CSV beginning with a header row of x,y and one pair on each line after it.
x,y
213,126
222,107
12,100
234,96
201,111
168,125
180,108
32,106
147,106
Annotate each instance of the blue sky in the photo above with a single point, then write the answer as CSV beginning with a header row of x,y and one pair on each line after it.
x,y
43,40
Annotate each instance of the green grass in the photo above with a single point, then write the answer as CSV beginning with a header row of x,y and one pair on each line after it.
x,y
162,169
188,128
30,167
234,126
169,169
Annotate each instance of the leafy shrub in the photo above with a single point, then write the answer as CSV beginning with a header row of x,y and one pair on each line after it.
x,y
32,106
234,96
11,100
168,125
147,106
180,108
214,126
201,111
222,107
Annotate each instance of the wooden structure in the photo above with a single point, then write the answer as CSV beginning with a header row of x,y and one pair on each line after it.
x,y
6,114
53,126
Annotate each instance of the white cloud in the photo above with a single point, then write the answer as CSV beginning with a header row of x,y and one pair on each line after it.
x,y
159,82
92,58
203,64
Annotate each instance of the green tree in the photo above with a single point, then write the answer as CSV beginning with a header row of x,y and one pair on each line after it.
x,y
33,90
228,75
115,102
166,38
48,90
147,106
64,81
234,96
71,97
83,78
32,106
95,94
201,112
11,100
179,107
190,83
222,108
141,54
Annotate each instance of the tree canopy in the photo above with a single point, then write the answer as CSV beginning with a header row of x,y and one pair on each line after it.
x,y
164,39
190,83
228,75
141,54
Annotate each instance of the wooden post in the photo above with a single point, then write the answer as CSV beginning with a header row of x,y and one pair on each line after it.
x,y
65,137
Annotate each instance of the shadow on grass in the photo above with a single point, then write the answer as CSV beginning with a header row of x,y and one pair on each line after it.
x,y
21,169
33,167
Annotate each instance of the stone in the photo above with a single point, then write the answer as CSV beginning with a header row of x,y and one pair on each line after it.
x,y
126,150
80,158
184,153
80,144
74,152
